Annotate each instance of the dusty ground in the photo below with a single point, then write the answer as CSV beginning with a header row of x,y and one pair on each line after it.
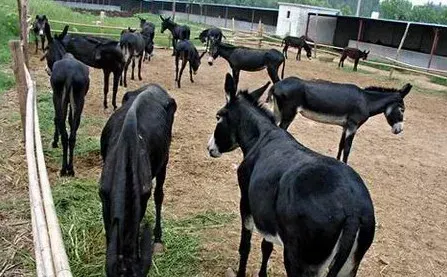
x,y
406,174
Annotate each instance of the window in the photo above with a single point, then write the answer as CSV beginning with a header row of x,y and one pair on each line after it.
x,y
288,14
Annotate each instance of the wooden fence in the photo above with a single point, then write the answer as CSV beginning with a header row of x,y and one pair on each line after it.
x,y
50,256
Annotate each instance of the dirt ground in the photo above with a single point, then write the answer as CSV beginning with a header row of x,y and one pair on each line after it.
x,y
406,174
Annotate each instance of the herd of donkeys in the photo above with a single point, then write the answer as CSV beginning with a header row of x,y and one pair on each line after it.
x,y
317,208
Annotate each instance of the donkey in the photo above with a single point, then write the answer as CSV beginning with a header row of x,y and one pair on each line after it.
x,y
354,54
345,105
39,30
211,35
148,32
187,52
297,42
248,59
132,45
135,149
100,53
70,83
178,31
314,206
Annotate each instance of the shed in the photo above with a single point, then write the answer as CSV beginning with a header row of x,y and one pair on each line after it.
x,y
292,20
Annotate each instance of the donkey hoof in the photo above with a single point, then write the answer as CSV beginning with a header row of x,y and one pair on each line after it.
x,y
63,172
54,144
230,273
158,248
139,78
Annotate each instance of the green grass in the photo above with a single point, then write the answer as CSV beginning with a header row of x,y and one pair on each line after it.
x,y
6,82
79,210
439,81
9,30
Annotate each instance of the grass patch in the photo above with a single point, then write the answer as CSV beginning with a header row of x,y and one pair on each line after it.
x,y
438,81
377,66
6,82
79,210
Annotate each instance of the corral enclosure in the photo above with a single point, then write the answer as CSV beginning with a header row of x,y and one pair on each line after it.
x,y
406,175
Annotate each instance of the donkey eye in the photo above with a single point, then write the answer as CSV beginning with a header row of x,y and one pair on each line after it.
x,y
218,117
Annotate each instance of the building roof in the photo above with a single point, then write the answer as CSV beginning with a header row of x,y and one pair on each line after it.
x,y
308,6
218,5
381,20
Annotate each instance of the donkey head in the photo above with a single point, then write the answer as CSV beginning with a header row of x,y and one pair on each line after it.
x,y
142,22
55,49
195,62
165,23
394,113
136,264
365,54
213,52
224,137
39,25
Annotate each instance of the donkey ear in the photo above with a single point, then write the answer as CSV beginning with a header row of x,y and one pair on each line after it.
x,y
161,17
256,94
44,17
405,90
230,88
64,32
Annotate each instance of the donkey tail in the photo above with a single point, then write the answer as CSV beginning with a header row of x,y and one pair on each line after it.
x,y
347,240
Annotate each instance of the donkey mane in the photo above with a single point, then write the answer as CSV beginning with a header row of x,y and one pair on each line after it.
x,y
382,89
258,105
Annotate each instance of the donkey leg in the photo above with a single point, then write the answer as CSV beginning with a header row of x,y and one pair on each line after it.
x,y
158,199
60,109
341,145
36,40
284,50
133,69
267,248
350,133
356,62
184,61
56,134
245,243
75,119
176,66
273,73
190,73
43,43
116,78
106,86
236,77
140,60
298,54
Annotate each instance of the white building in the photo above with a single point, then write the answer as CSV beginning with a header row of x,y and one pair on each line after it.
x,y
292,20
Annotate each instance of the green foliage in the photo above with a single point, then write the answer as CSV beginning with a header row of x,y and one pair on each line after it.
x,y
396,9
6,82
404,10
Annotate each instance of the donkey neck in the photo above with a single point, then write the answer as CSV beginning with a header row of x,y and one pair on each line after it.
x,y
252,127
171,26
225,51
379,101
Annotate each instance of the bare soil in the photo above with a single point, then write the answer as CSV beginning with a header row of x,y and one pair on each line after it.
x,y
406,174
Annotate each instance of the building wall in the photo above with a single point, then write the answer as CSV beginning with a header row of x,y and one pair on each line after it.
x,y
295,25
220,22
406,56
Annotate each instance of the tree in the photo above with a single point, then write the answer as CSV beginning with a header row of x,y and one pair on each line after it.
x,y
396,9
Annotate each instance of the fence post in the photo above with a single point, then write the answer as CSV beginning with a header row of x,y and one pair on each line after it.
x,y
260,33
316,36
232,25
19,73
22,6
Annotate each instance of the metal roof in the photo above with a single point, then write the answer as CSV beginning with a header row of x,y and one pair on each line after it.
x,y
381,19
308,6
218,5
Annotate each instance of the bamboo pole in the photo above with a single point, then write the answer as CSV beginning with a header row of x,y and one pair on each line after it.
x,y
400,45
88,25
60,259
40,271
34,192
19,74
433,47
22,6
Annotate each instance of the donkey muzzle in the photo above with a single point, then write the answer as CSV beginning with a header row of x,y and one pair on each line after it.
x,y
210,60
397,128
